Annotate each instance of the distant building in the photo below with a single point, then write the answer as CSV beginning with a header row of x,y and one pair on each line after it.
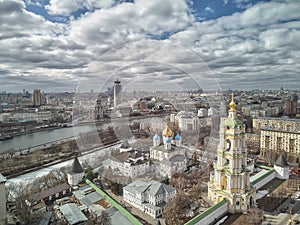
x,y
76,174
36,97
99,109
122,110
278,135
117,93
187,121
149,197
283,123
290,106
252,141
274,141
202,112
2,200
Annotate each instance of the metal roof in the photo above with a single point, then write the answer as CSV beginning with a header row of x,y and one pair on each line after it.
x,y
51,191
152,188
76,166
118,218
72,213
281,161
94,197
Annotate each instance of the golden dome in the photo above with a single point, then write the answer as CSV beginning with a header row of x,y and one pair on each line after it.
x,y
232,104
167,132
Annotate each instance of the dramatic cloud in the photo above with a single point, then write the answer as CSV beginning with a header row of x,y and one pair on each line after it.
x,y
144,41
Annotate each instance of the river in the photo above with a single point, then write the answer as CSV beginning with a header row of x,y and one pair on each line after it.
x,y
40,138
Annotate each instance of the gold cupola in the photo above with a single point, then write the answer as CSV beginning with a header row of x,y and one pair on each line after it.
x,y
167,132
232,104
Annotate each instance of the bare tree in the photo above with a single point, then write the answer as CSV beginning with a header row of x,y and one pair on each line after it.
x,y
22,195
174,208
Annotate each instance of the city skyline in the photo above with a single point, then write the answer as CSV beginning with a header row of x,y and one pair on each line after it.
x,y
170,45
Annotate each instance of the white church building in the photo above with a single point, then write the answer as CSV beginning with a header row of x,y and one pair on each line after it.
x,y
168,153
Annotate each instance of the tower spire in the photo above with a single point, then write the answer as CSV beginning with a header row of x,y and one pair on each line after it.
x,y
232,104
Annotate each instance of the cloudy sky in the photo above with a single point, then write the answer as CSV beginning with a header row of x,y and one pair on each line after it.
x,y
63,45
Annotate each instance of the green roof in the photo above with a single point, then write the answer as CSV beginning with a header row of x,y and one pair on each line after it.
x,y
123,211
201,216
263,176
232,123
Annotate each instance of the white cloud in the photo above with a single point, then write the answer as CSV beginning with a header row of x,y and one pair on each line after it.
x,y
66,7
242,49
157,17
208,10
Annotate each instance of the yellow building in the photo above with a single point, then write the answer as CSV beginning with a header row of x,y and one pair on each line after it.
x,y
231,178
279,135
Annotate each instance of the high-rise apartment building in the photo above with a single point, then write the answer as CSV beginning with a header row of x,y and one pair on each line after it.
x,y
279,135
36,97
117,93
290,106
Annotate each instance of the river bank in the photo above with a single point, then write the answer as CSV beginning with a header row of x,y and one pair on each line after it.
x,y
42,158
29,140
82,123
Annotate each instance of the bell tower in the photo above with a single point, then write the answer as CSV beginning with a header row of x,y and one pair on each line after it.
x,y
231,178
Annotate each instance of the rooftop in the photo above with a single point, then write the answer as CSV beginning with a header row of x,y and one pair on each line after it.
x,y
72,213
125,144
76,166
152,188
2,178
51,191
281,161
133,157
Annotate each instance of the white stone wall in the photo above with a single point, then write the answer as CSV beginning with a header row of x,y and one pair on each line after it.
x,y
264,181
2,202
214,216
